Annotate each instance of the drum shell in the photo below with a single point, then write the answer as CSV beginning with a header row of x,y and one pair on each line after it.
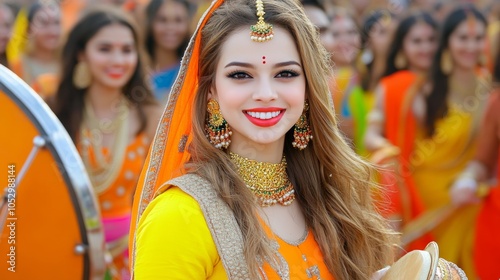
x,y
53,229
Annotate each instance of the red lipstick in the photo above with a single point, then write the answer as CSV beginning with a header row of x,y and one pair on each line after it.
x,y
115,75
255,116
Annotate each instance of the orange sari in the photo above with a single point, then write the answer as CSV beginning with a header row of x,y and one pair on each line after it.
x,y
115,205
487,244
401,129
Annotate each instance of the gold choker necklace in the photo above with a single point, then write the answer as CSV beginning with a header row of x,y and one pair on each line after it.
x,y
267,181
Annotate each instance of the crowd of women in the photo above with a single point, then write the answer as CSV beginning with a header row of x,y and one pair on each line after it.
x,y
414,87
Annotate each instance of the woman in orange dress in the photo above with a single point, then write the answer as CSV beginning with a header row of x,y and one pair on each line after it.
x,y
111,115
410,56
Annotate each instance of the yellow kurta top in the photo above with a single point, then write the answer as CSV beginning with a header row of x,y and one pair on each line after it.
x,y
437,161
174,242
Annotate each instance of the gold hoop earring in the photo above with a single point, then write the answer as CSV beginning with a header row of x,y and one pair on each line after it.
x,y
446,63
302,133
482,60
400,61
217,129
81,75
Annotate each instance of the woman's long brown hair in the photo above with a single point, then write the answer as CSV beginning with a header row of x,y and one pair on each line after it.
x,y
332,183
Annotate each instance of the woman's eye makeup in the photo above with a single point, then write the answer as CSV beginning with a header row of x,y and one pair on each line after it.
x,y
104,48
238,75
287,74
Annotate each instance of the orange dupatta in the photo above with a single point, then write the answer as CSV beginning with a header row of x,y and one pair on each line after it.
x,y
400,129
167,155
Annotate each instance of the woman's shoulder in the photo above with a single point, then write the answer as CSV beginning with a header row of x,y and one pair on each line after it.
x,y
165,78
173,202
398,77
177,215
173,227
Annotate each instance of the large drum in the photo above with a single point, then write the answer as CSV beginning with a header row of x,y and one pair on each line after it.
x,y
49,219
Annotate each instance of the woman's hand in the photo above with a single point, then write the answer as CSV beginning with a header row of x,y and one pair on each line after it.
x,y
384,153
464,191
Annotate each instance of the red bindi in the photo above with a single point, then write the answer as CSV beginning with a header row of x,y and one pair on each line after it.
x,y
263,60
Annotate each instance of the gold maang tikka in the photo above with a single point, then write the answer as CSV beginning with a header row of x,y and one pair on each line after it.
x,y
261,31
471,22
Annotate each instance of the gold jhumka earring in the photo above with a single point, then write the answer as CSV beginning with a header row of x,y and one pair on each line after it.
x,y
261,31
302,133
217,129
446,63
483,60
400,61
81,75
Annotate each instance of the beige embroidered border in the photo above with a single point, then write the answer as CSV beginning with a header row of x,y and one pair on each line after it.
x,y
221,222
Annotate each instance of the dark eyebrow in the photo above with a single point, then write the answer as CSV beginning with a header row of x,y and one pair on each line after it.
x,y
111,43
286,63
241,64
248,65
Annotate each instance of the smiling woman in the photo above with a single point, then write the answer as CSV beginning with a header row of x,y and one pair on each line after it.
x,y
235,187
250,92
167,35
254,195
111,115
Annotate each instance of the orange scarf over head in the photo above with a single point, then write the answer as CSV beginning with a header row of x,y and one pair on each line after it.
x,y
167,155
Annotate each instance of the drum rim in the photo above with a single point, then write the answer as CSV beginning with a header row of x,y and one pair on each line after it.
x,y
59,143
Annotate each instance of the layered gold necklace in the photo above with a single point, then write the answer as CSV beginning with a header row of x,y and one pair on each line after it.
x,y
268,181
103,170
